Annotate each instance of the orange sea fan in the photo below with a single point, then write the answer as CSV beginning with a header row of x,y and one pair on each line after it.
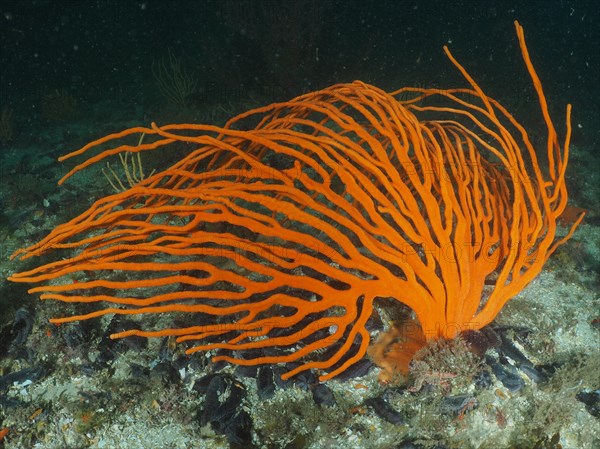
x,y
280,229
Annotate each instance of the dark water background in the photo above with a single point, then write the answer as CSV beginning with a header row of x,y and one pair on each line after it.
x,y
103,51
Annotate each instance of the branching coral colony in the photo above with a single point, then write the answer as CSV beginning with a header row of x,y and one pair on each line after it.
x,y
280,229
